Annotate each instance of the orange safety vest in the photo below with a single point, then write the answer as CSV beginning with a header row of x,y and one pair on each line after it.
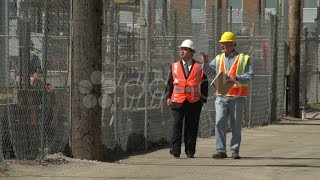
x,y
186,88
237,68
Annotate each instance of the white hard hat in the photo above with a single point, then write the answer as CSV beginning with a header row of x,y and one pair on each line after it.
x,y
188,44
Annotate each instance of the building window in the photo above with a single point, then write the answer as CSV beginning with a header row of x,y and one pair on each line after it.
x,y
310,3
159,4
270,4
236,4
310,14
198,4
198,16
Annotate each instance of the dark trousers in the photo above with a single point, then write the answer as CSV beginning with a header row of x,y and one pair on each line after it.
x,y
190,113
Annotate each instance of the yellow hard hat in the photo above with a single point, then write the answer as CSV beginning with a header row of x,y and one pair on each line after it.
x,y
228,37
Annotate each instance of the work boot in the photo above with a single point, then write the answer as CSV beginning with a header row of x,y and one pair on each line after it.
x,y
219,155
175,154
190,155
235,155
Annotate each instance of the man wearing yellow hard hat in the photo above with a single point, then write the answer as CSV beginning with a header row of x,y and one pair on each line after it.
x,y
230,105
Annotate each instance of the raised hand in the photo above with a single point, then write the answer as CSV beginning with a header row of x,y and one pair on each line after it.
x,y
204,57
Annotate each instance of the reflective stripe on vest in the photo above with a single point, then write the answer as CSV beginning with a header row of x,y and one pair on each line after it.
x,y
237,68
186,88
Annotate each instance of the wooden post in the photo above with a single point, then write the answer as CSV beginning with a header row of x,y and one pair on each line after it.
x,y
294,19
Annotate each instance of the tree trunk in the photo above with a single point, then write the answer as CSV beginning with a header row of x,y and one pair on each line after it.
x,y
86,80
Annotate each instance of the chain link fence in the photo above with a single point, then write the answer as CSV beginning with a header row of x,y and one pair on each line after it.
x,y
137,54
35,91
309,69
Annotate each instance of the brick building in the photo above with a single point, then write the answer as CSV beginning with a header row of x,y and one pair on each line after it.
x,y
243,10
197,15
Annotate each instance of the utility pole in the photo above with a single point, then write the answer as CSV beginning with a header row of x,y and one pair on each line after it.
x,y
294,19
86,141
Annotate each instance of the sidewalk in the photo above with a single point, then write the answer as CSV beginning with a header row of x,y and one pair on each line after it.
x,y
288,150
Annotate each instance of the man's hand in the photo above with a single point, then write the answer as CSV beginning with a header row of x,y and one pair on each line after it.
x,y
169,102
231,79
204,57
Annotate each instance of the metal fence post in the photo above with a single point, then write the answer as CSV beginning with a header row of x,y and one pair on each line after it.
x,y
44,81
304,66
4,35
230,19
7,42
3,41
175,51
23,29
146,86
212,50
274,72
217,26
115,69
317,54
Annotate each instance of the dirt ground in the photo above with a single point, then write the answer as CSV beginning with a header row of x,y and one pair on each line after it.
x,y
288,150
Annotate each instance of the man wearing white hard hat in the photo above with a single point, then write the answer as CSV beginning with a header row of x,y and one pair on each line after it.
x,y
186,91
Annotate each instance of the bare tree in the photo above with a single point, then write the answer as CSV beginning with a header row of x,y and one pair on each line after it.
x,y
86,77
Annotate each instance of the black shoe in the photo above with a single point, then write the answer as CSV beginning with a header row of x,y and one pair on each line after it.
x,y
176,155
190,155
219,155
235,155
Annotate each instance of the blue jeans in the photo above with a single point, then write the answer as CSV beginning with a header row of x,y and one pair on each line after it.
x,y
229,108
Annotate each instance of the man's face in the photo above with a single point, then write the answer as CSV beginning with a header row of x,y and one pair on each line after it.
x,y
48,87
227,47
186,53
